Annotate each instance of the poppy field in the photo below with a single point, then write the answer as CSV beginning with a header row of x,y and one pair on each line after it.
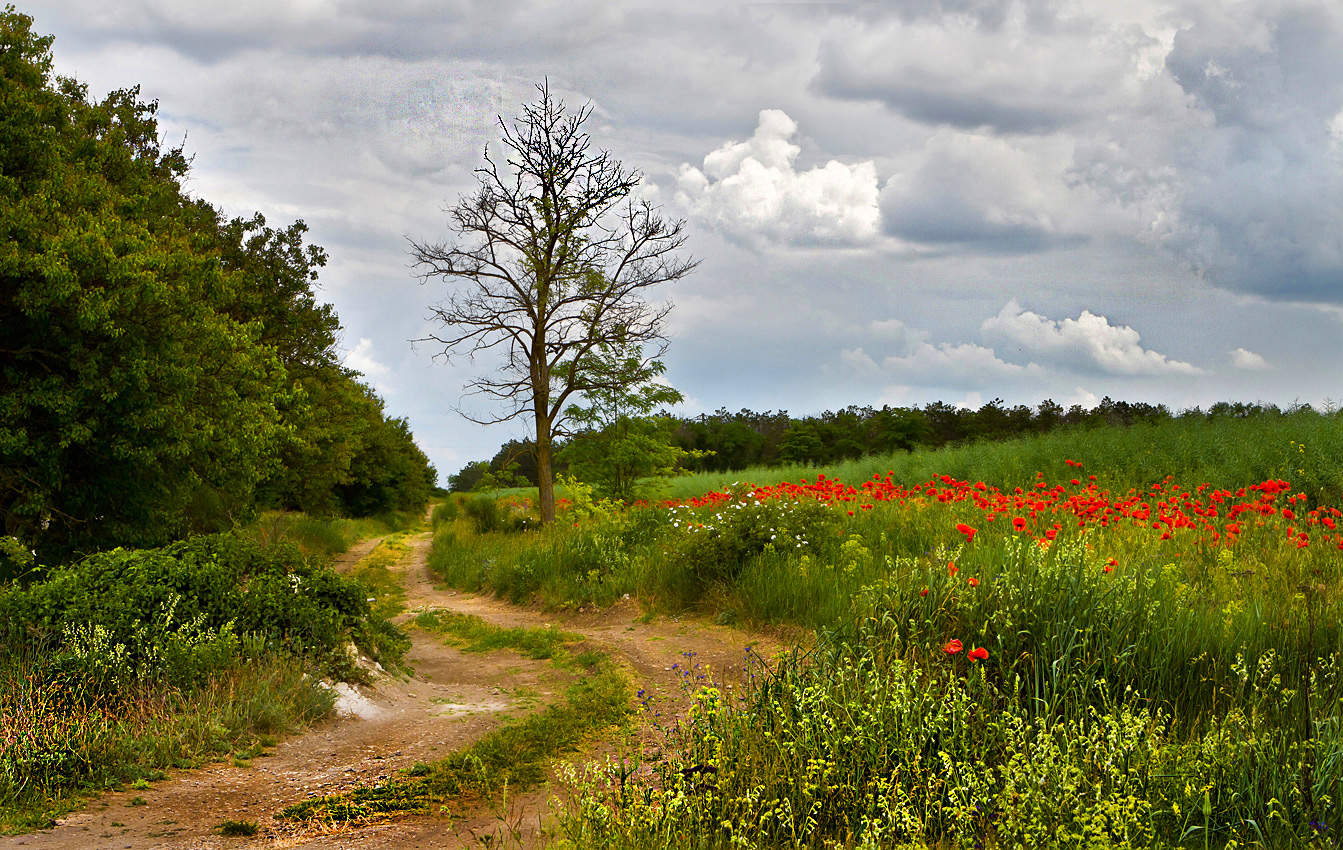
x,y
1048,662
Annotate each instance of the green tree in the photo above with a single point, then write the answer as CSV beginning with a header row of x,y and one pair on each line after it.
x,y
132,409
619,442
553,261
162,368
801,444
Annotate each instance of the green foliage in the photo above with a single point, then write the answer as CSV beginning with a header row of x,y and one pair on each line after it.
x,y
716,547
174,614
15,559
620,444
61,741
325,535
489,513
445,512
138,659
164,369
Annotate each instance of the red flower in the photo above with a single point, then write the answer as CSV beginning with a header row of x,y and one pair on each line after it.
x,y
966,530
952,569
1018,523
952,647
923,592
972,581
1109,568
979,653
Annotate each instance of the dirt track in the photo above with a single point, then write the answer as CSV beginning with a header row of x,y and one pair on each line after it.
x,y
452,699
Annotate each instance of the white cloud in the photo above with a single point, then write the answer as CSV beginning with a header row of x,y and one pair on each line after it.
x,y
361,360
858,361
1082,396
1088,341
963,365
752,190
1243,359
973,401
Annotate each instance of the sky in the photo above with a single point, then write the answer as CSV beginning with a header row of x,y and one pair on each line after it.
x,y
891,202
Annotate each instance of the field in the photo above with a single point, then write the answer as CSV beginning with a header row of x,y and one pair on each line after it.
x,y
1109,638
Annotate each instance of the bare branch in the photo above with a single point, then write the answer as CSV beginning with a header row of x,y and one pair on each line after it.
x,y
551,258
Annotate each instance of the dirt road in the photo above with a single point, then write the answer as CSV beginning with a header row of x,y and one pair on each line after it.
x,y
452,699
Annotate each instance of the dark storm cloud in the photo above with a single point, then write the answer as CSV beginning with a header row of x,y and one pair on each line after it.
x,y
1261,182
935,101
1021,70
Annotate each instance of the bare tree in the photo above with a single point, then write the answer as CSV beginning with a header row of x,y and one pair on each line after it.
x,y
551,263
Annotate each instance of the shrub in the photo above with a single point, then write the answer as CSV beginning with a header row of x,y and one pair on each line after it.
x,y
717,547
175,613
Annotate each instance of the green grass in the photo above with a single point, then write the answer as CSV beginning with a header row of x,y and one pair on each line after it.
x,y
473,634
374,571
74,748
327,536
1190,695
513,756
1304,448
239,828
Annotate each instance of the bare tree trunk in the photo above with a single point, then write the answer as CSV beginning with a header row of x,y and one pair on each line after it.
x,y
545,476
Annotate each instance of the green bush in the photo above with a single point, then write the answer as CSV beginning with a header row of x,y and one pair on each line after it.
x,y
716,548
445,512
175,613
488,515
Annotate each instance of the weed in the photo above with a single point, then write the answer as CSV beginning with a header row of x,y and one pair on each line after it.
x,y
239,828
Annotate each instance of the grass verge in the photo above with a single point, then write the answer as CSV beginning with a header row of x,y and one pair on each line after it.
x,y
59,753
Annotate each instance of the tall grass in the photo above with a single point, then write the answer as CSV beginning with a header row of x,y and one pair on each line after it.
x,y
325,536
1305,448
1135,683
62,743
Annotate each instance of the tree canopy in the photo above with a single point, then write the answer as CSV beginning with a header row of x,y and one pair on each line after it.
x,y
163,369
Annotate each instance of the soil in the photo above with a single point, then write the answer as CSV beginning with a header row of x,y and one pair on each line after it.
x,y
452,699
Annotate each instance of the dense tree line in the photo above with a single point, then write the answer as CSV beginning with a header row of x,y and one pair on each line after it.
x,y
726,441
164,369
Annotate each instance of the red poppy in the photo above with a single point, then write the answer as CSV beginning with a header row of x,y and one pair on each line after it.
x,y
1109,568
952,646
923,592
966,530
972,581
952,569
1018,523
979,653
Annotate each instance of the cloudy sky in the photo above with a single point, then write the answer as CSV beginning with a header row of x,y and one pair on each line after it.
x,y
893,202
